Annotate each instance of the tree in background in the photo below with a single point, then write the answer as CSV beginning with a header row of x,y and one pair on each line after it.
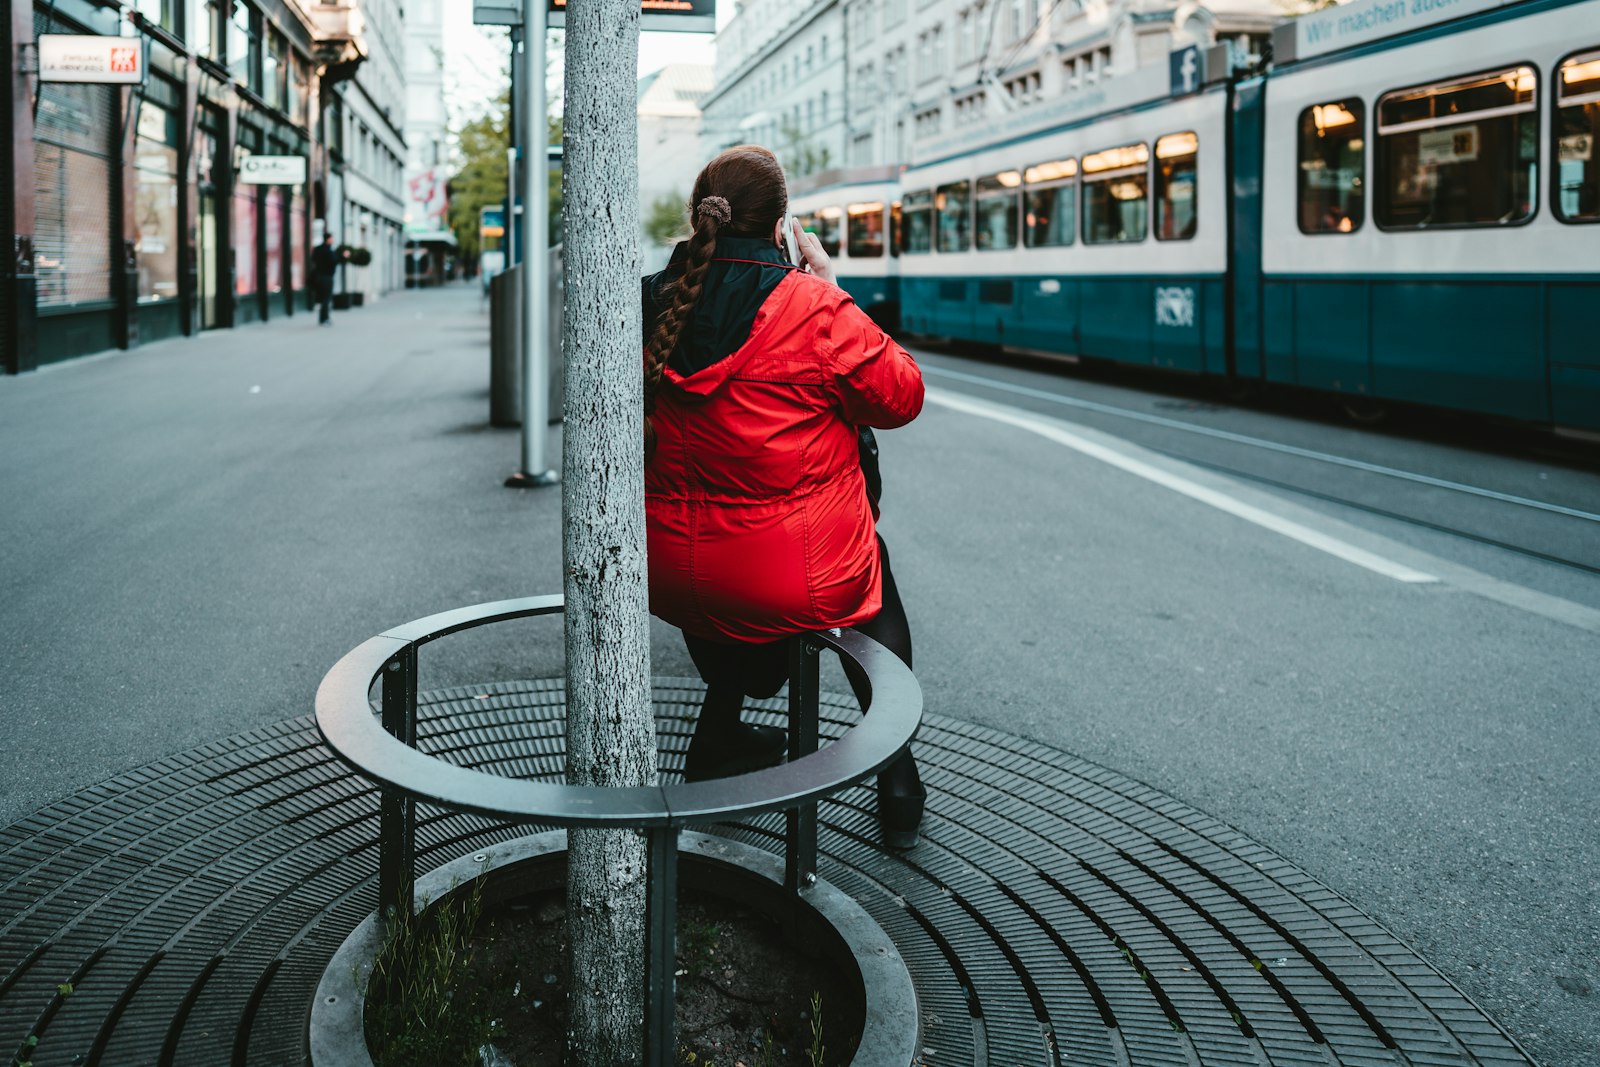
x,y
481,181
667,219
800,156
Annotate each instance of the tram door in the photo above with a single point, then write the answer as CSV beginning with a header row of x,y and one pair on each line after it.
x,y
1247,115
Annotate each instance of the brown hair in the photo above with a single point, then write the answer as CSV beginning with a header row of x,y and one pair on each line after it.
x,y
741,193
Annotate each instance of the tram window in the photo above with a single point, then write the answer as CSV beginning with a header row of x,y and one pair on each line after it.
x,y
953,203
1047,200
827,221
1577,129
1458,153
997,211
1333,152
1116,184
897,229
1176,205
863,230
917,212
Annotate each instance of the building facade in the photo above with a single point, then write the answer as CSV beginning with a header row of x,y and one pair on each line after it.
x,y
670,149
372,151
430,242
876,77
780,81
131,213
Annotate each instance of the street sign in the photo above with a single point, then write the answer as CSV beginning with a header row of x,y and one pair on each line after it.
x,y
662,16
491,222
1186,70
668,16
273,170
81,58
497,12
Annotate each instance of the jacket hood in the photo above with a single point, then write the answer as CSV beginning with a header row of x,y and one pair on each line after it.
x,y
744,272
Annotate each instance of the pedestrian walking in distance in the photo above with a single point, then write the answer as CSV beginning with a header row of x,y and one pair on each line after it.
x,y
324,262
762,379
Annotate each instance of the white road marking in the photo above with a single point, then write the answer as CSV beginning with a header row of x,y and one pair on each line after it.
x,y
1258,442
1056,431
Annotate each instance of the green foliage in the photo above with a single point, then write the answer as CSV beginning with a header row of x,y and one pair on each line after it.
x,y
413,1016
481,181
816,1050
667,219
697,945
799,156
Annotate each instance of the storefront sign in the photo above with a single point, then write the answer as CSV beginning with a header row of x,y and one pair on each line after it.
x,y
273,170
76,57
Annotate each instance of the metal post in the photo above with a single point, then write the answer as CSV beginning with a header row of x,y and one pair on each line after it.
x,y
800,854
660,949
514,135
397,820
535,471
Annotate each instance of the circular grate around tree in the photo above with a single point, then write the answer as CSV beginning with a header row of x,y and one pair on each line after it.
x,y
1056,912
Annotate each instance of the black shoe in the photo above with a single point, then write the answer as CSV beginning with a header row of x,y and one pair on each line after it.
x,y
900,801
741,750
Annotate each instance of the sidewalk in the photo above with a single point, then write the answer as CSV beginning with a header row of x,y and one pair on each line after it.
x,y
202,527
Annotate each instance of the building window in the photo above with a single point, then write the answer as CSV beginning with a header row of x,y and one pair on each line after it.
x,y
74,130
1458,153
155,211
1331,161
275,71
162,13
1048,202
1577,128
1176,204
1115,187
244,47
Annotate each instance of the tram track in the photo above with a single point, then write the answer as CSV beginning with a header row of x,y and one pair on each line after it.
x,y
1561,514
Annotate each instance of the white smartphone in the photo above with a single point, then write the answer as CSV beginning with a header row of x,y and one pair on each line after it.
x,y
789,225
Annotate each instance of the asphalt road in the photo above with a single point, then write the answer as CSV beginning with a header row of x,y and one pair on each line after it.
x,y
195,531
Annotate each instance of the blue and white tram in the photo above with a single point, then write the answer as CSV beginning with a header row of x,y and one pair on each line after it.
x,y
1406,206
1104,238
1429,212
853,216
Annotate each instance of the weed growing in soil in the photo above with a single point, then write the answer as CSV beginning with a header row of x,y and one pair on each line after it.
x,y
414,1017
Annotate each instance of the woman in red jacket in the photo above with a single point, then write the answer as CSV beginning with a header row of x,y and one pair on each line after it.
x,y
760,378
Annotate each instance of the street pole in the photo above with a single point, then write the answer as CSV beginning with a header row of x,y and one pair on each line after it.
x,y
535,471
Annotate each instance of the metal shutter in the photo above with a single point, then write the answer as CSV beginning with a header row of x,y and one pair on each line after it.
x,y
74,136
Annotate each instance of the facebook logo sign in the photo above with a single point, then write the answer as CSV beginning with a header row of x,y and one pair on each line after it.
x,y
1185,68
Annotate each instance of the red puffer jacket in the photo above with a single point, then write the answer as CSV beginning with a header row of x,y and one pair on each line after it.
x,y
759,523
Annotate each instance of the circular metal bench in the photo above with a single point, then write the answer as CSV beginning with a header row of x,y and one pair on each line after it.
x,y
384,751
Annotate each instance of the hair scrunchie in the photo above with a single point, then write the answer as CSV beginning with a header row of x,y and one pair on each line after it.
x,y
714,207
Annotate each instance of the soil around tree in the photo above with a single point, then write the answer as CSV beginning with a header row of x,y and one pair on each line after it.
x,y
744,994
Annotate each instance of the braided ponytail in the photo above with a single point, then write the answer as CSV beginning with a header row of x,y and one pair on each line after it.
x,y
669,327
741,193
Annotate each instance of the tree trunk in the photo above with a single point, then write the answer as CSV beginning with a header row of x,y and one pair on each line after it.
x,y
610,727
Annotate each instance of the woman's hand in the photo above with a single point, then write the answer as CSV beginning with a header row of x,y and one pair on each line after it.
x,y
812,257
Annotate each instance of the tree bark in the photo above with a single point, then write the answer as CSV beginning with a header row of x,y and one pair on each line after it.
x,y
610,726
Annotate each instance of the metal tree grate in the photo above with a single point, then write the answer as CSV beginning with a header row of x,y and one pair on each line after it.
x,y
1055,912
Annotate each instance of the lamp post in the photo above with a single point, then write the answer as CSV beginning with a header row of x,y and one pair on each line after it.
x,y
535,469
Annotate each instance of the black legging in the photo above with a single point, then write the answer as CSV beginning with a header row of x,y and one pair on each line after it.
x,y
733,671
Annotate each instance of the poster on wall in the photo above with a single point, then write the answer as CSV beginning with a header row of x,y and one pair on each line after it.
x,y
429,209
